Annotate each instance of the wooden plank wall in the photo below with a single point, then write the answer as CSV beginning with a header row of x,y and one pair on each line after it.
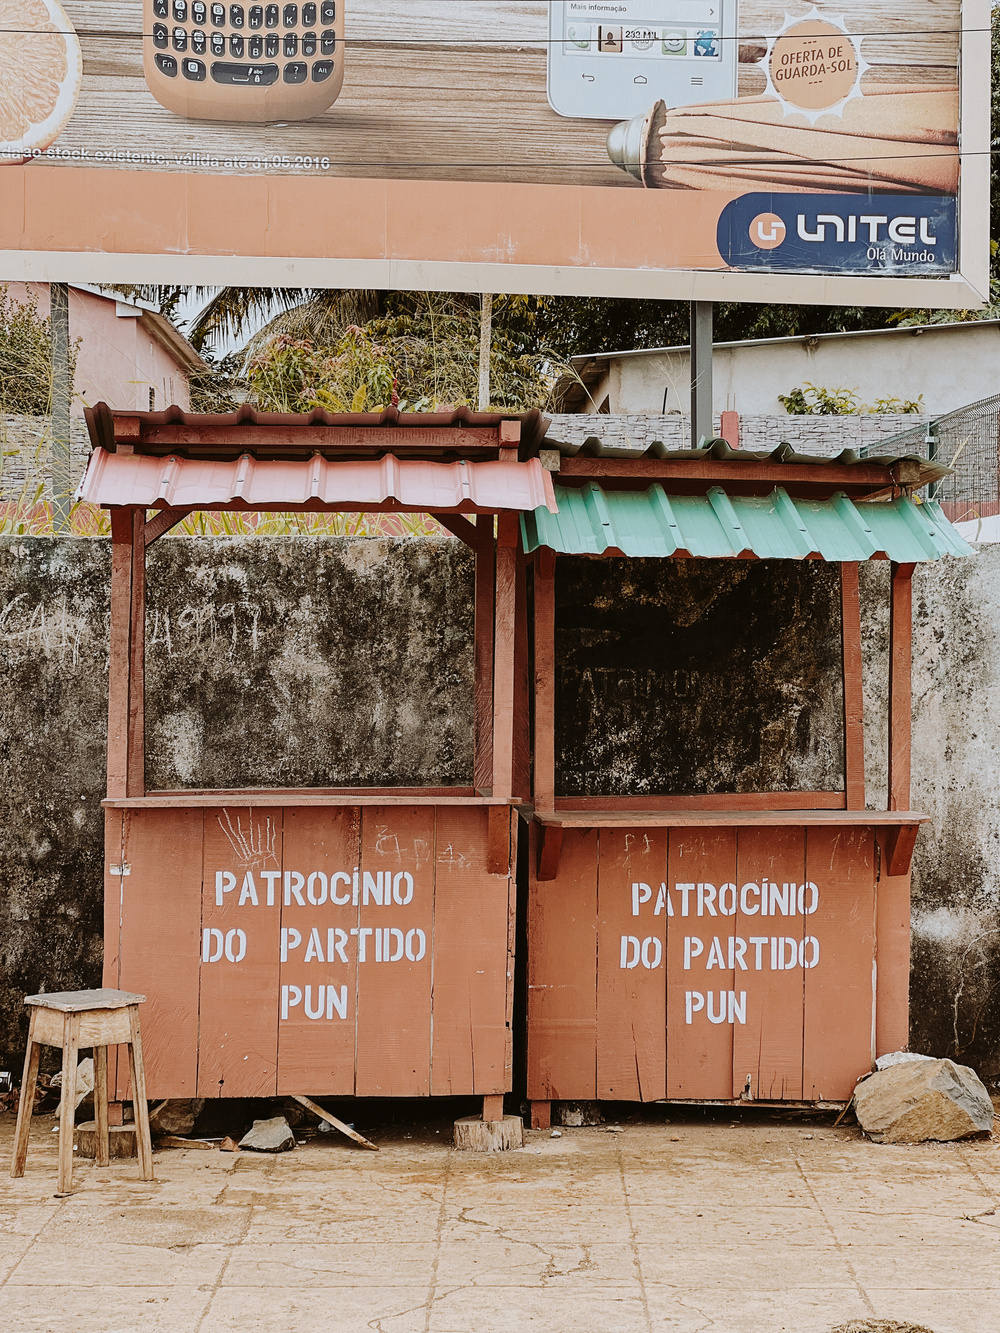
x,y
259,983
680,963
458,118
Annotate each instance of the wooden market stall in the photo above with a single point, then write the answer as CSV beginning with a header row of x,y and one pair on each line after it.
x,y
742,944
344,941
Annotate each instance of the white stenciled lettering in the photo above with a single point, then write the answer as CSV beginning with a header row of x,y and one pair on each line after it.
x,y
362,934
685,890
270,876
630,951
747,891
290,997
316,888
651,952
248,893
807,898
236,946
225,882
706,900
211,945
663,903
718,1006
715,958
336,943
294,884
290,939
340,877
416,945
371,889
641,893
402,888
314,948
693,948
809,951
727,899
694,1002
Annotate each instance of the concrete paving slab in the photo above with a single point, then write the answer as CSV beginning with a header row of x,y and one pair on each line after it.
x,y
666,1228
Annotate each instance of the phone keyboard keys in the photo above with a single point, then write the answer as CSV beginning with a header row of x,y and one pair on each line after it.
x,y
308,43
328,11
193,70
180,39
161,38
199,42
218,16
291,47
255,48
199,13
328,42
322,69
254,76
255,16
161,8
236,48
290,16
296,73
236,16
180,11
167,65
218,44
308,14
272,46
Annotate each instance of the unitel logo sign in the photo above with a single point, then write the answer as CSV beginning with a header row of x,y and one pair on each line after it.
x,y
840,234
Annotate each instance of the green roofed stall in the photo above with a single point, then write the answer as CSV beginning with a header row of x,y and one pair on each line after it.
x,y
593,520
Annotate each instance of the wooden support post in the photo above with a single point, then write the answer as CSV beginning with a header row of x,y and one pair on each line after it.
x,y
545,683
541,1115
503,656
550,845
522,711
26,1101
483,688
102,1151
900,686
854,724
493,1106
67,1102
498,840
126,745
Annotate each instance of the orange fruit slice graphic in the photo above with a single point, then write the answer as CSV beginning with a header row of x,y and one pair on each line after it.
x,y
41,68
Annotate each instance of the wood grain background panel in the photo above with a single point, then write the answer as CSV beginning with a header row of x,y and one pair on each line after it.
x,y
700,1053
160,945
472,975
839,991
768,1046
394,998
239,1001
562,971
316,1056
631,1001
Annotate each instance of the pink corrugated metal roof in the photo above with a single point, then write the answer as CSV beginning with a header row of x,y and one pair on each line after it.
x,y
184,483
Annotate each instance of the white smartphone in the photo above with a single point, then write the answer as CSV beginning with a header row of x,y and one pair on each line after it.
x,y
610,61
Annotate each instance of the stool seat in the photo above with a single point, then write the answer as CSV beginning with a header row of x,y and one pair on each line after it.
x,y
71,1019
75,1001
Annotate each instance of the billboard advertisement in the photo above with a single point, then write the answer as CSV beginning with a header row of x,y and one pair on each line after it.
x,y
708,149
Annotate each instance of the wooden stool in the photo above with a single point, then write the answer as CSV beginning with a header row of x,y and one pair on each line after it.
x,y
71,1019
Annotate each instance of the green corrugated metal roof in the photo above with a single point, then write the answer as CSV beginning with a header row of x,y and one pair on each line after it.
x,y
650,522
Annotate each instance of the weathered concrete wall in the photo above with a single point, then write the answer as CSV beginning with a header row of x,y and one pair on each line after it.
x,y
313,661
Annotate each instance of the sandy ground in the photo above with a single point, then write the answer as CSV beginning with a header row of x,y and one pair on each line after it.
x,y
686,1226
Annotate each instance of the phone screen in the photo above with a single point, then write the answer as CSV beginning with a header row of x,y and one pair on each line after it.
x,y
609,59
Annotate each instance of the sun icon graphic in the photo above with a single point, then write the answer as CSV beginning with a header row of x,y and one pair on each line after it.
x,y
814,66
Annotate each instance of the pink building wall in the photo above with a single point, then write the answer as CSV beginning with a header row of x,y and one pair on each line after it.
x,y
122,355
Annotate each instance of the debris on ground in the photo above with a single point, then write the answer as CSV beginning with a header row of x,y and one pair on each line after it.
x,y
577,1115
269,1136
920,1100
84,1081
176,1115
556,1134
880,1326
229,1145
175,1141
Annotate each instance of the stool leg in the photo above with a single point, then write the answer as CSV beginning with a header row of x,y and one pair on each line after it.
x,y
101,1104
142,1139
27,1102
67,1106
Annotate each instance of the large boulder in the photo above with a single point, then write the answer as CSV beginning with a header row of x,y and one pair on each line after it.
x,y
925,1099
273,1135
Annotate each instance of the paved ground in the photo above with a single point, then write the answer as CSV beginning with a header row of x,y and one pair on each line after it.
x,y
679,1227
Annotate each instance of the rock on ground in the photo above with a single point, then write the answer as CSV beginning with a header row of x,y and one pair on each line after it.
x,y
176,1116
928,1099
269,1136
880,1326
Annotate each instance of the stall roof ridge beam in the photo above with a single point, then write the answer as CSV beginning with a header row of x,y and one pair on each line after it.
x,y
290,435
145,481
652,522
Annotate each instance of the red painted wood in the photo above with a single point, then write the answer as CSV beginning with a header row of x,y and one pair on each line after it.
x,y
120,655
503,655
136,763
839,992
545,687
892,959
483,651
473,975
498,839
631,960
562,973
700,1052
160,944
854,726
522,711
900,686
316,1054
394,997
114,846
568,819
768,1046
731,801
239,1000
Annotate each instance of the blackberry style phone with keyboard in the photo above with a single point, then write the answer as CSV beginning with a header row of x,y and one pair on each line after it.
x,y
244,62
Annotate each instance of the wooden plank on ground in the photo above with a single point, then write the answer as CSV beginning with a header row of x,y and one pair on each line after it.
x,y
318,971
239,1001
839,991
472,978
562,972
699,1036
768,1046
631,966
395,971
161,942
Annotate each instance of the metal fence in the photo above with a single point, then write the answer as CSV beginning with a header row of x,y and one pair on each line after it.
x,y
967,440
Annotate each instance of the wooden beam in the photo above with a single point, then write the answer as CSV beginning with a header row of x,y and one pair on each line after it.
x,y
483,668
161,523
852,663
697,476
323,1114
900,685
498,840
461,527
522,709
899,844
748,800
549,846
303,441
503,656
545,682
125,668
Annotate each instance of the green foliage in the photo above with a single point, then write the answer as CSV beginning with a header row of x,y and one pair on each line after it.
x,y
294,375
26,358
815,401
